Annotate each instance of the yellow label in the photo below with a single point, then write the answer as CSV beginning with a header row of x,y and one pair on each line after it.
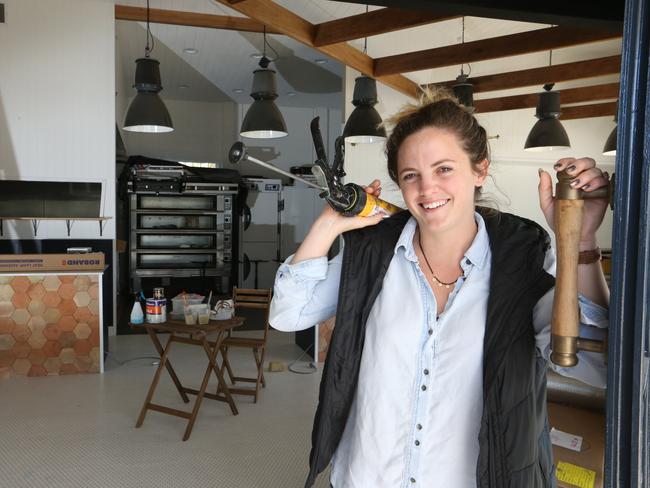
x,y
575,475
375,205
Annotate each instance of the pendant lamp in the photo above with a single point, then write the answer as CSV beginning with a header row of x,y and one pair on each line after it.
x,y
147,112
548,133
364,124
610,145
463,89
264,119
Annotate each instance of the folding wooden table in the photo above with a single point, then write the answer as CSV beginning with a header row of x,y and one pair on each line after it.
x,y
194,335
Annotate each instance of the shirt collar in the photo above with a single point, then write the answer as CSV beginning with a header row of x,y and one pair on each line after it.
x,y
476,254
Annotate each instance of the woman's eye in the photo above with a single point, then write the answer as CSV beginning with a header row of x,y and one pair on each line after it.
x,y
408,176
445,169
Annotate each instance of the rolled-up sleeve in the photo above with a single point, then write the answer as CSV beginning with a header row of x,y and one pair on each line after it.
x,y
305,293
594,320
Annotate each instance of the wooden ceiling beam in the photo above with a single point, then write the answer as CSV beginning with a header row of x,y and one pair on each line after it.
x,y
191,19
571,95
588,111
294,26
548,74
372,24
492,48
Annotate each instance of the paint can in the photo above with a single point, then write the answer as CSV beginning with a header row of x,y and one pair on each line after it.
x,y
156,310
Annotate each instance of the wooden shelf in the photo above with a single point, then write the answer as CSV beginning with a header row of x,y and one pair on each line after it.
x,y
68,222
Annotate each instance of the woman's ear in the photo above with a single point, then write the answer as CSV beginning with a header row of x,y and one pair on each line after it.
x,y
482,172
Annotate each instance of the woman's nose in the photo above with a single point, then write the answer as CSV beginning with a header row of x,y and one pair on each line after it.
x,y
428,185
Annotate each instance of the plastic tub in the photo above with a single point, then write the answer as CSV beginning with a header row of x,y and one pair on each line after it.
x,y
178,303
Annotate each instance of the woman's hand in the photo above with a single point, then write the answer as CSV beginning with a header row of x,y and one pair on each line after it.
x,y
330,224
587,177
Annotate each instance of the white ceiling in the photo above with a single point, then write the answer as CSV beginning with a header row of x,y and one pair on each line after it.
x,y
224,57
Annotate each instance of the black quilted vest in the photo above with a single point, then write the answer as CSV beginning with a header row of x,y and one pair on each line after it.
x,y
515,450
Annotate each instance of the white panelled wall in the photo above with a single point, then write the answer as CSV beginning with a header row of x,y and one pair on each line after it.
x,y
57,102
514,172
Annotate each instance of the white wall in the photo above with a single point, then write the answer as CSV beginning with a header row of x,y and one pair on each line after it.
x,y
57,102
513,185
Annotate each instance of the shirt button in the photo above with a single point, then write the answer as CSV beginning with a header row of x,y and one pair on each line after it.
x,y
424,387
419,427
412,480
430,331
426,371
417,443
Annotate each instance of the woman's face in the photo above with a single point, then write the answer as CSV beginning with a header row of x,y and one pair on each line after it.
x,y
437,179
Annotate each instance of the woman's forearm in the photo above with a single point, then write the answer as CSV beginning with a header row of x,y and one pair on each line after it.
x,y
591,279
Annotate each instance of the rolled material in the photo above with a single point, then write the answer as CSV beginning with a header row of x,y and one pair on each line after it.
x,y
569,391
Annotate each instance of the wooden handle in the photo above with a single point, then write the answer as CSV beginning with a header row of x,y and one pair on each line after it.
x,y
565,320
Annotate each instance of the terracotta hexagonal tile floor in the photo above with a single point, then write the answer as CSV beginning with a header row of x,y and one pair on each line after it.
x,y
93,306
82,347
82,330
67,323
93,291
6,292
21,349
20,300
6,309
51,299
82,314
67,339
37,370
68,368
67,307
20,316
37,339
82,283
22,366
6,325
51,283
7,342
83,363
37,356
66,291
7,358
36,291
52,315
82,298
52,365
36,323
52,332
36,308
20,284
21,332
52,349
67,355
67,278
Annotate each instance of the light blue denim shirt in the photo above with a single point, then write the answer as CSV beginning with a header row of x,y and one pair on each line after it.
x,y
416,413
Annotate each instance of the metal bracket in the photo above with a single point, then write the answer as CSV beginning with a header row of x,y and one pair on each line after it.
x,y
35,223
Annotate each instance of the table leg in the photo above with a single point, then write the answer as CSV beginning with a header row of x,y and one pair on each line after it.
x,y
156,378
170,370
222,386
204,384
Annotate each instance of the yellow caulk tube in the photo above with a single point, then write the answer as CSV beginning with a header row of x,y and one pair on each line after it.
x,y
365,205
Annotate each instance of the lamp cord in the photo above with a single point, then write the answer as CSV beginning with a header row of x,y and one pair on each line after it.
x,y
147,48
365,39
462,41
266,43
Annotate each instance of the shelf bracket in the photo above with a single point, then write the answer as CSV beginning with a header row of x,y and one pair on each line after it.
x,y
35,223
2,230
102,224
68,224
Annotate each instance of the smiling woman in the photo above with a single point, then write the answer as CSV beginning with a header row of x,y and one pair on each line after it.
x,y
437,363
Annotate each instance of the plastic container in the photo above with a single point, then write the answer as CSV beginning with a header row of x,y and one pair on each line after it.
x,y
178,303
197,314
137,317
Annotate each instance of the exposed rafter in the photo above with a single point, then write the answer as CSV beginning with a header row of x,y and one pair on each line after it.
x,y
294,26
548,74
496,47
192,19
571,95
372,24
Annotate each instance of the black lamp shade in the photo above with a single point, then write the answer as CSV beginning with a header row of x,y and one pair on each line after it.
x,y
464,91
364,124
548,133
610,144
147,112
263,119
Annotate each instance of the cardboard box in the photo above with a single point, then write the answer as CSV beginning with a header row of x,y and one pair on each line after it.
x,y
590,426
30,263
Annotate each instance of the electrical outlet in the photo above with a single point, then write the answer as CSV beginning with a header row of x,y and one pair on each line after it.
x,y
2,13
